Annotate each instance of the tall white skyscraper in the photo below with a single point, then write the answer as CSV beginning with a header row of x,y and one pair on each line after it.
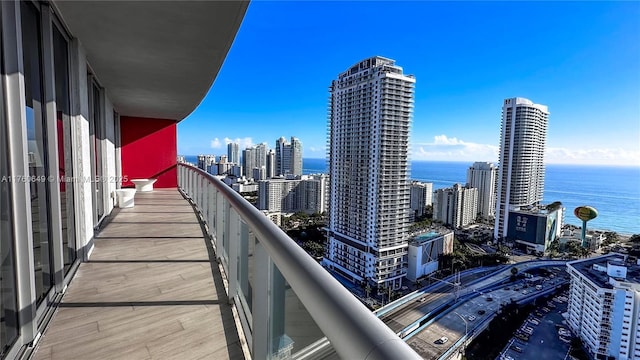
x,y
371,106
233,153
521,171
483,176
261,156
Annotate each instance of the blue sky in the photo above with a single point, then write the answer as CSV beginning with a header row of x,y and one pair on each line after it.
x,y
582,59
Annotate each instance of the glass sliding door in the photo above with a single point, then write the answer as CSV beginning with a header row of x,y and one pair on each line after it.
x,y
37,145
96,132
8,298
65,148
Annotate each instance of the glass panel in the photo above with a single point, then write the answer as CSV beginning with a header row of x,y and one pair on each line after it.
x,y
36,136
246,263
292,328
8,310
63,130
223,230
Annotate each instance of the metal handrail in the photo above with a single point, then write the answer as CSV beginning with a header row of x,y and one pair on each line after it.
x,y
353,330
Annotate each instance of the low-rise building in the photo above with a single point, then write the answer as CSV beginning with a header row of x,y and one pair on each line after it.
x,y
424,250
534,228
604,305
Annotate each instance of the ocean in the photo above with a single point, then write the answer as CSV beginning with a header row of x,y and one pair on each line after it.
x,y
614,191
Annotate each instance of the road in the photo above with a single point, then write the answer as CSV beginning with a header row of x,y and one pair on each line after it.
x,y
439,294
452,325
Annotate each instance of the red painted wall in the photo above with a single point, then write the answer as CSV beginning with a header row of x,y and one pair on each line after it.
x,y
149,150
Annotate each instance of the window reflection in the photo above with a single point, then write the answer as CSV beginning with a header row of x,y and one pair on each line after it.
x,y
64,153
36,136
8,310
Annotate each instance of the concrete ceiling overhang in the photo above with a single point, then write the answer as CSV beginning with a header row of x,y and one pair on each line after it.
x,y
156,59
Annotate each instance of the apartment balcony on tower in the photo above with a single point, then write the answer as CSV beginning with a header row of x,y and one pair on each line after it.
x,y
110,248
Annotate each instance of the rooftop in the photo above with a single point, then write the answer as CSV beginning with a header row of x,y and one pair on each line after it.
x,y
601,278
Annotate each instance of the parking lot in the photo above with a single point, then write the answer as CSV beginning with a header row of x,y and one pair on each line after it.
x,y
538,332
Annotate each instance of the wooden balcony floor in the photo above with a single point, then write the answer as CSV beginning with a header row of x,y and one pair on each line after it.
x,y
151,290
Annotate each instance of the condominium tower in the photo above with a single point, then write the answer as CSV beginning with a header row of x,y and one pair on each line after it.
x,y
603,306
421,197
233,153
370,110
456,206
288,157
521,171
483,176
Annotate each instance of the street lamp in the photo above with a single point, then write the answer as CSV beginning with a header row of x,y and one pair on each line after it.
x,y
466,331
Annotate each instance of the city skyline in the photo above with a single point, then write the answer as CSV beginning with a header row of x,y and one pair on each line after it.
x,y
576,54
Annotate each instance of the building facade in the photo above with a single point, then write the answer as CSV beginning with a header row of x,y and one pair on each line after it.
x,y
288,157
81,115
425,250
521,169
421,197
308,194
271,163
371,106
456,206
233,153
483,176
533,229
206,161
604,306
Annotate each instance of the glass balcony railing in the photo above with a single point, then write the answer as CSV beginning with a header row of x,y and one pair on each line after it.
x,y
289,306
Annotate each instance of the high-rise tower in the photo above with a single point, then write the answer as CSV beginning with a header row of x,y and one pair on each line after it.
x,y
288,157
296,156
521,171
233,153
371,106
483,176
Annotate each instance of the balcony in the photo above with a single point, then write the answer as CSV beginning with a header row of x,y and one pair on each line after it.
x,y
199,272
152,289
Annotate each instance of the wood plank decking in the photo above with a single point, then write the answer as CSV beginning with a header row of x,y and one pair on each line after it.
x,y
151,290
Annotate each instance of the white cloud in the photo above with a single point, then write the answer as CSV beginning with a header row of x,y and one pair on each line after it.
x,y
317,149
444,148
595,156
243,143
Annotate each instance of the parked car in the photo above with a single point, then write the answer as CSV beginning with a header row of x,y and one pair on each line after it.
x,y
422,299
471,318
517,349
481,312
442,340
